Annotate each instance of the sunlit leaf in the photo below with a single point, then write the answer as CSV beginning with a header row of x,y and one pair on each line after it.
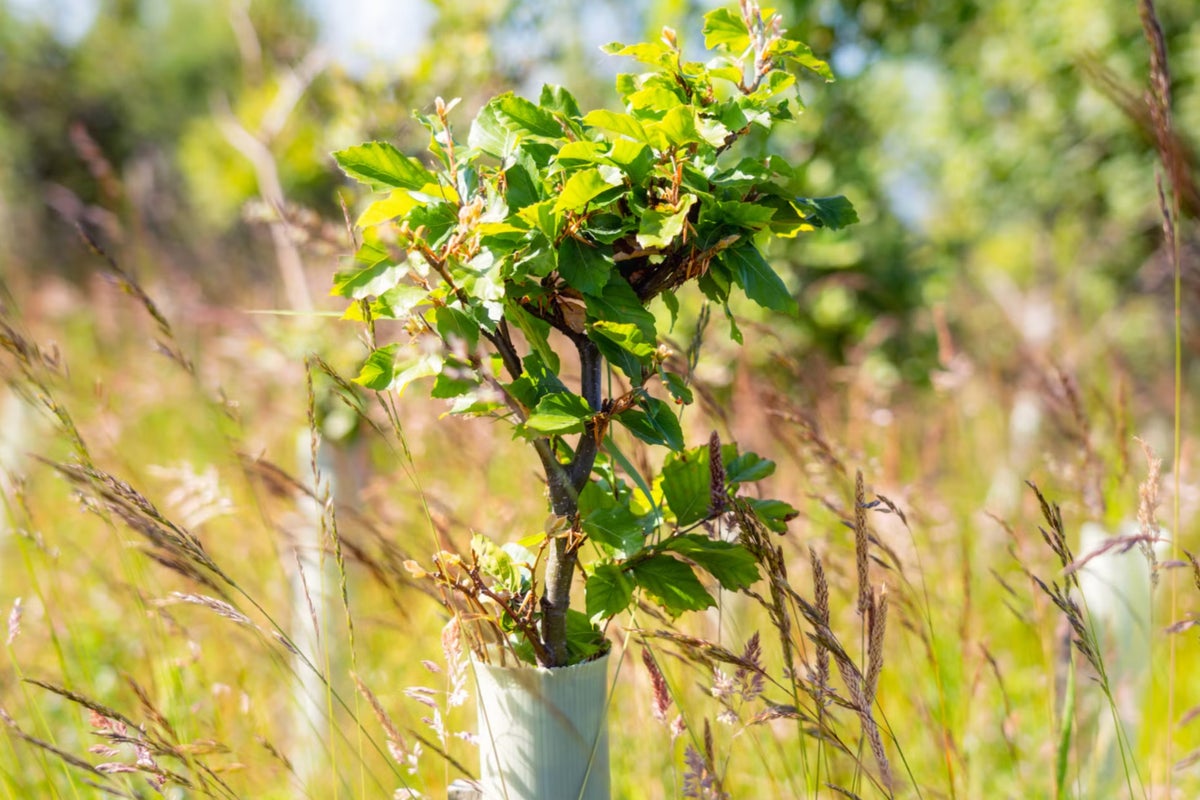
x,y
556,98
383,372
381,166
489,133
396,204
616,527
608,591
560,413
580,188
723,29
424,367
526,117
377,371
731,564
397,302
633,157
801,55
686,485
656,54
622,124
831,212
760,283
373,273
454,324
660,225
672,584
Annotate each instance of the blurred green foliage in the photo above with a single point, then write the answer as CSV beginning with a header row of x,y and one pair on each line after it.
x,y
980,139
976,139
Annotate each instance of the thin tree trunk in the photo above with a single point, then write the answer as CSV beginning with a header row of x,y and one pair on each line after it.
x,y
565,482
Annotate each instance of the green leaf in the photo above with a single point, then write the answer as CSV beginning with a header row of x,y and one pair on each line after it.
x,y
744,215
801,55
672,584
396,204
731,564
379,372
656,54
524,116
397,302
489,133
608,591
748,467
584,640
834,213
615,122
724,30
560,413
746,172
657,424
757,279
580,188
455,324
381,166
672,303
655,99
583,151
677,388
660,226
686,485
373,272
715,282
536,381
439,219
676,129
625,335
542,216
775,514
447,387
735,332
424,367
556,98
633,157
616,527
478,402
619,303
521,191
606,228
623,346
537,333
367,281
711,130
499,562
584,266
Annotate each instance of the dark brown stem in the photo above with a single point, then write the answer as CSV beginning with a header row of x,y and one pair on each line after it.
x,y
519,619
565,485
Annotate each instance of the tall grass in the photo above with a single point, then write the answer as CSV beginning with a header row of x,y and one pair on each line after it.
x,y
901,644
912,636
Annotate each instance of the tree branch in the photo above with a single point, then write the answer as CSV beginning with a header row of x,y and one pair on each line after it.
x,y
590,366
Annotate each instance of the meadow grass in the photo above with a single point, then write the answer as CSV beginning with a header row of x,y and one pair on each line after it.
x,y
912,637
194,609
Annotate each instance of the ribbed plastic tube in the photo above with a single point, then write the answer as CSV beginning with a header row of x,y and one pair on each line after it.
x,y
543,732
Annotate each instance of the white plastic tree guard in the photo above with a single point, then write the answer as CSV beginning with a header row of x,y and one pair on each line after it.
x,y
543,733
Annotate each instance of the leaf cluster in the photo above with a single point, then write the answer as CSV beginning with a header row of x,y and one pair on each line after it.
x,y
551,228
